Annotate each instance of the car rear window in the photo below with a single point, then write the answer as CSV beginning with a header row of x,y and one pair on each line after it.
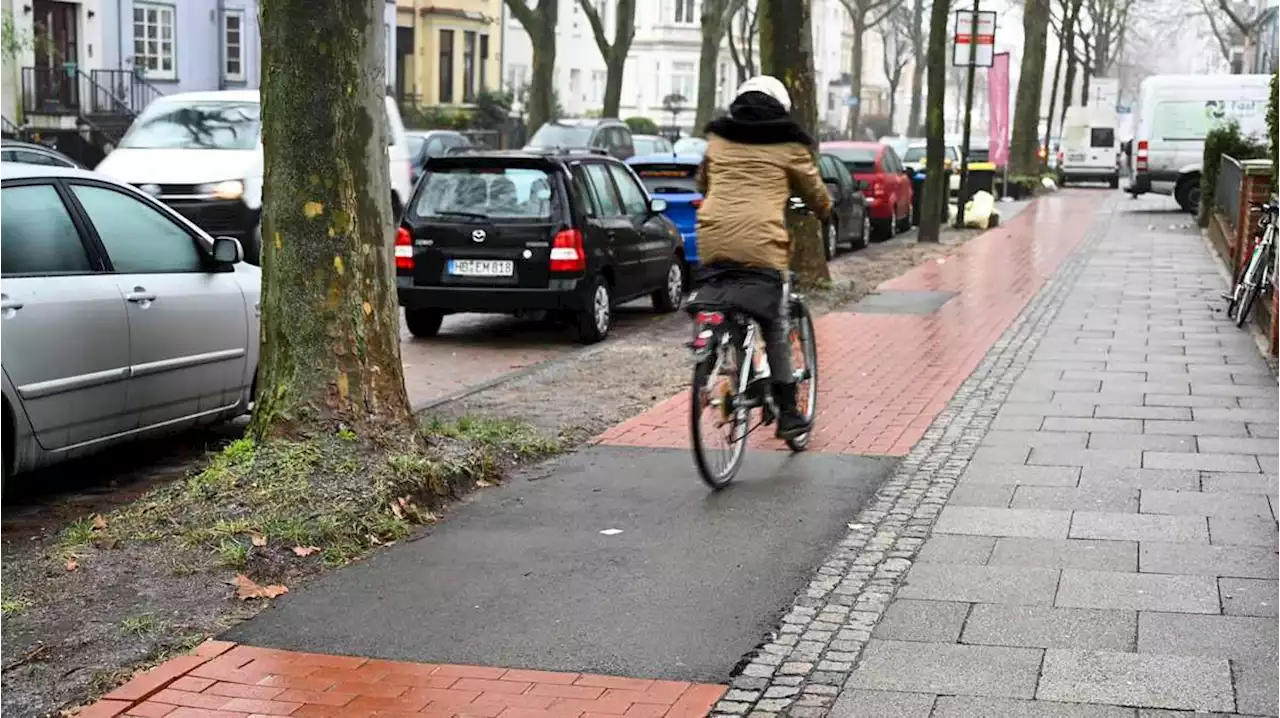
x,y
494,192
1102,137
667,178
553,135
856,159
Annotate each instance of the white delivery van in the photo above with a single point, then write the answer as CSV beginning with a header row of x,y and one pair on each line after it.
x,y
1089,148
201,153
1174,114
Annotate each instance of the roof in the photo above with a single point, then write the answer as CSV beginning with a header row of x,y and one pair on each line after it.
x,y
669,158
18,170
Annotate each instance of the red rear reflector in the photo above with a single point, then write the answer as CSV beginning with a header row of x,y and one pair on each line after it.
x,y
567,253
404,249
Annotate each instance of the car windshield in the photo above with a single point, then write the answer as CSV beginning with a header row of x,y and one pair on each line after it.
x,y
415,144
915,154
494,192
856,159
553,135
667,178
691,146
651,145
202,126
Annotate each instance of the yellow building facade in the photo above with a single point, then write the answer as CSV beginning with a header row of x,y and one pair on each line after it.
x,y
448,50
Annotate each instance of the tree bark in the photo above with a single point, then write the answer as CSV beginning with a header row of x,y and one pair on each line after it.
x,y
855,71
1087,68
918,39
1026,117
1064,40
786,52
615,53
716,15
540,24
330,349
935,185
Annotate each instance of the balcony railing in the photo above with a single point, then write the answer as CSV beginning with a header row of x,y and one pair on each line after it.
x,y
121,89
70,91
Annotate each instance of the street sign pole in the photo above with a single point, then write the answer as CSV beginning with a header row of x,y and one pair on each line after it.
x,y
962,195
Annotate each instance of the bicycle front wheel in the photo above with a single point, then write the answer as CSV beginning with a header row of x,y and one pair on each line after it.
x,y
717,421
804,364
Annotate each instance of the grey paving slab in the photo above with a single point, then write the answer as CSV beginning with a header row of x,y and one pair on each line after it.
x,y
1201,461
1017,422
1014,474
1051,627
1137,591
1248,596
1242,531
1256,686
1156,681
1001,455
1140,478
1238,445
1270,464
1194,428
930,621
1191,400
1118,499
1089,424
1048,409
1107,411
1066,553
989,521
1230,414
1232,390
1007,437
1097,398
1197,503
996,495
1065,456
1143,442
964,550
902,302
950,669
971,707
889,704
1056,385
1263,430
1239,482
1198,560
1147,387
1138,527
1014,585
1233,637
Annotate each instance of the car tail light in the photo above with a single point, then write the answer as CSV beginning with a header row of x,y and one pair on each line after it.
x,y
404,249
567,253
1140,159
714,319
877,187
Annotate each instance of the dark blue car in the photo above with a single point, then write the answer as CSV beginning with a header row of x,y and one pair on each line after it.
x,y
671,177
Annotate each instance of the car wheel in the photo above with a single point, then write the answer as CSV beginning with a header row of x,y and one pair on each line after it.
x,y
596,319
864,236
671,295
252,246
1188,193
1115,182
831,238
423,323
882,229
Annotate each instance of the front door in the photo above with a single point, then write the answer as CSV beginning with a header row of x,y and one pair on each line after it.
x,y
655,244
56,58
623,239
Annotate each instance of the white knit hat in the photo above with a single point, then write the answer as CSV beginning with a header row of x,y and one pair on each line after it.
x,y
770,86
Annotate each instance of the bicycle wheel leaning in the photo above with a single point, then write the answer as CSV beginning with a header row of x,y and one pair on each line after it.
x,y
804,360
717,421
1254,278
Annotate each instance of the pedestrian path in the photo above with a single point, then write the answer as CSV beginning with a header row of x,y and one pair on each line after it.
x,y
1089,530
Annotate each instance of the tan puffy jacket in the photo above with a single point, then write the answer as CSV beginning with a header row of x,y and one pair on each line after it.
x,y
746,188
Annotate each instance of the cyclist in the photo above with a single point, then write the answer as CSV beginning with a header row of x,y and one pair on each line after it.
x,y
757,157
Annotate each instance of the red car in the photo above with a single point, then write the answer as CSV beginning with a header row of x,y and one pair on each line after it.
x,y
885,180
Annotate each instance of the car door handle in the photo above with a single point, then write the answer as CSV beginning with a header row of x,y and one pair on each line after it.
x,y
9,305
140,295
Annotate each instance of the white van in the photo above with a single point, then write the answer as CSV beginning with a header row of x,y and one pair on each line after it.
x,y
1174,114
1089,148
201,153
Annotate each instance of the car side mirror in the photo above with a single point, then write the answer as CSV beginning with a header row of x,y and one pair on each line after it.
x,y
227,250
657,205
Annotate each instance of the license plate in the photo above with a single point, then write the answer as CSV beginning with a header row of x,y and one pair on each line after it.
x,y
481,267
1076,157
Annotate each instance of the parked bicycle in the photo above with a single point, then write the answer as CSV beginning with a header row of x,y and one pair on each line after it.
x,y
1259,274
731,379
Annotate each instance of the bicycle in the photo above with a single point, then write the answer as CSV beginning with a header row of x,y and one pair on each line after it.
x,y
731,379
1258,274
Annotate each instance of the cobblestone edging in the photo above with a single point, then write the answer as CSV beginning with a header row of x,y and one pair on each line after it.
x,y
800,670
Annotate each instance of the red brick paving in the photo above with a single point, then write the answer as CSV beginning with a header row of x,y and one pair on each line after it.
x,y
225,680
883,378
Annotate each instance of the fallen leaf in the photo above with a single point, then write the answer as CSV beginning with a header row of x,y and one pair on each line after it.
x,y
72,564
99,523
246,589
374,540
482,484
305,550
258,539
395,509
368,309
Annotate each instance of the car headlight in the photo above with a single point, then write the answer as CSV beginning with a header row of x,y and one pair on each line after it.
x,y
230,189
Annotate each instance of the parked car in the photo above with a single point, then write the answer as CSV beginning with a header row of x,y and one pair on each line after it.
x,y
567,233
425,144
652,145
884,180
121,318
31,153
671,178
608,134
850,220
914,160
201,153
691,146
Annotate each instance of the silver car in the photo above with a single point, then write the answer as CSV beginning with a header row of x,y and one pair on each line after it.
x,y
120,319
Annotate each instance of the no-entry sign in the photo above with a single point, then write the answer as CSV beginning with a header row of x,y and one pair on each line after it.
x,y
964,54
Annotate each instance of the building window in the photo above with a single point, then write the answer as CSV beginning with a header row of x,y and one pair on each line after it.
x,y
598,80
233,45
683,79
575,85
484,63
153,36
684,12
446,67
468,66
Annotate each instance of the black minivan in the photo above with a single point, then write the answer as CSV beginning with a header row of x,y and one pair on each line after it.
x,y
572,234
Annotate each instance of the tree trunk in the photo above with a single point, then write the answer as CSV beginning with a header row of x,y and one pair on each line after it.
x,y
1069,84
613,83
917,68
713,25
615,53
330,350
1087,68
1053,99
855,74
1026,116
1064,45
786,52
935,185
540,24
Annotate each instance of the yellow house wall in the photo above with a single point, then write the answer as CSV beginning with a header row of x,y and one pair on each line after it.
x,y
427,27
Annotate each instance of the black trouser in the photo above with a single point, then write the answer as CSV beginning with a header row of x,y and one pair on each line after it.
x,y
761,294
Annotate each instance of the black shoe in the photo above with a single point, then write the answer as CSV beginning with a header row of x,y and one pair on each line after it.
x,y
791,423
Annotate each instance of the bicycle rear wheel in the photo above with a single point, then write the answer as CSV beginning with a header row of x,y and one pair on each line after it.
x,y
1252,282
717,422
804,360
